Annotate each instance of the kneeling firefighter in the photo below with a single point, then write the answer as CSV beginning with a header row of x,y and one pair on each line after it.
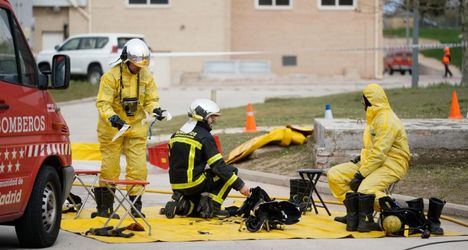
x,y
199,191
127,92
383,161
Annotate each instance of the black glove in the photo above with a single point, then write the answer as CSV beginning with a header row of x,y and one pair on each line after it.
x,y
159,113
116,122
356,159
356,181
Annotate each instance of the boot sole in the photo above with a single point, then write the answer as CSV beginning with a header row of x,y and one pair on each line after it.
x,y
341,220
116,216
170,209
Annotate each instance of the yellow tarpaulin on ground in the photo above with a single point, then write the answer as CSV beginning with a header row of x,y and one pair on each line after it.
x,y
311,226
283,136
179,229
86,151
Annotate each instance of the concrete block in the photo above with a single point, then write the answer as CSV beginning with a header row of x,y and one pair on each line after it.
x,y
338,140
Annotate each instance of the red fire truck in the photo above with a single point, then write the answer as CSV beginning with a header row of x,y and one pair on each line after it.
x,y
35,159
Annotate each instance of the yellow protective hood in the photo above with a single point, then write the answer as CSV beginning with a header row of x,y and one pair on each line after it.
x,y
378,99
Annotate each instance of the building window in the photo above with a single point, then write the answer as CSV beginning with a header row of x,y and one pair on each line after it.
x,y
336,4
289,60
157,3
273,4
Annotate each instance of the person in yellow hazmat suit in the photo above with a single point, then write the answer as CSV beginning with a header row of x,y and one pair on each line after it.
x,y
127,93
383,161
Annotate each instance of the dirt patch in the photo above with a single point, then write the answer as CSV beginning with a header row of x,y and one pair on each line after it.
x,y
437,173
445,181
432,173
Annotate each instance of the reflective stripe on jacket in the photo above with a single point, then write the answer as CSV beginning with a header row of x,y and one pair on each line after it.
x,y
190,153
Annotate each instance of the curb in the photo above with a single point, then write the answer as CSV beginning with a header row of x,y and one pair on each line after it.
x,y
450,209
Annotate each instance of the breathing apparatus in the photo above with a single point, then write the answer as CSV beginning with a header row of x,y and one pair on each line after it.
x,y
136,52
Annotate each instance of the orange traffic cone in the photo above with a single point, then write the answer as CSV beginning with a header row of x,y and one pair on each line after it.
x,y
455,108
250,125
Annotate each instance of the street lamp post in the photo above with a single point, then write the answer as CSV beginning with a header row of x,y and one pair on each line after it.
x,y
415,65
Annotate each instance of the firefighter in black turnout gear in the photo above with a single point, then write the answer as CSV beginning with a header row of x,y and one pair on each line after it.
x,y
199,177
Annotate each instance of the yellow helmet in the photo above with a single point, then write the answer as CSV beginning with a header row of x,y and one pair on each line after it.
x,y
391,224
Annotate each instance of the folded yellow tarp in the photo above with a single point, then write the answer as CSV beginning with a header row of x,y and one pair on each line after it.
x,y
86,151
284,136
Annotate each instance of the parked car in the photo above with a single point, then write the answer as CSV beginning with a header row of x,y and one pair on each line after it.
x,y
398,60
35,159
90,54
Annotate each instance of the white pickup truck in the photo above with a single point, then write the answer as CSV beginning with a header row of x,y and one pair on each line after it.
x,y
90,54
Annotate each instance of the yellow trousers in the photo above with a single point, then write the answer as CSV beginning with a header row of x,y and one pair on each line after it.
x,y
135,154
390,172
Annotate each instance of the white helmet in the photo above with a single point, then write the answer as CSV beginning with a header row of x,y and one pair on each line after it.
x,y
137,52
201,109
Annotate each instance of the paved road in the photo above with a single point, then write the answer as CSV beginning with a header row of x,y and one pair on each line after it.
x,y
72,241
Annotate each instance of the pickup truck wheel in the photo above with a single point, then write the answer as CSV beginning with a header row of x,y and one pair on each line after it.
x,y
40,224
94,74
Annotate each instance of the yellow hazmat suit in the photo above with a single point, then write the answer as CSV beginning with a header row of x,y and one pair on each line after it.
x,y
134,141
385,156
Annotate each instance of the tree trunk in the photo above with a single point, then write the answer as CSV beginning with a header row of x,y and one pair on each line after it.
x,y
464,28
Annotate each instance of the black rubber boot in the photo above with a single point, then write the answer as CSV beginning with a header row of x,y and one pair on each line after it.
x,y
350,197
178,205
366,214
433,215
104,203
138,205
99,203
417,204
110,203
208,208
352,211
205,207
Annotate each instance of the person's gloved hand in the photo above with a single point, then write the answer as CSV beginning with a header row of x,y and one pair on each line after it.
x,y
356,181
356,159
158,112
116,122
